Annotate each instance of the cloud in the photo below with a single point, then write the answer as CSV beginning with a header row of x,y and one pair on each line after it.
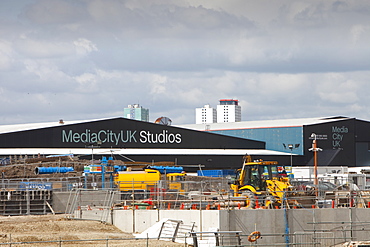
x,y
158,84
358,31
54,12
89,59
29,47
84,46
339,89
6,55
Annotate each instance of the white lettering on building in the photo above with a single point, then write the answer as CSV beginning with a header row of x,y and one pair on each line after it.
x,y
123,136
338,134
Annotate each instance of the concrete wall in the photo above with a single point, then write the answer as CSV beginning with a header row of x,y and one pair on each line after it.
x,y
341,224
99,215
60,201
307,223
136,221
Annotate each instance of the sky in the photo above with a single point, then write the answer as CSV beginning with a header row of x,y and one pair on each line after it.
x,y
89,59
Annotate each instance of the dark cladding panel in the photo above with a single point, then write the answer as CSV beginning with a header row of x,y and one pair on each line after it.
x,y
362,154
362,143
362,131
122,133
332,136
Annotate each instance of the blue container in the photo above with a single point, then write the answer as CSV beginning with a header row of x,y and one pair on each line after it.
x,y
216,173
167,169
228,172
119,168
210,173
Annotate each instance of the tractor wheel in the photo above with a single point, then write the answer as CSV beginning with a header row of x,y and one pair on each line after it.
x,y
250,200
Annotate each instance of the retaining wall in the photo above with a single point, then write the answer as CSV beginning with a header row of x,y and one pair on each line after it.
x,y
305,225
340,225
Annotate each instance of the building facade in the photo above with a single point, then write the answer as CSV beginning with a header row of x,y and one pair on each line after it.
x,y
205,115
128,139
228,111
344,141
136,112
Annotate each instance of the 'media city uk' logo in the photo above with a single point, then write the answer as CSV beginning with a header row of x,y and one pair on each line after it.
x,y
123,136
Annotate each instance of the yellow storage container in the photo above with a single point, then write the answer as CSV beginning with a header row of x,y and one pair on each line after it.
x,y
137,180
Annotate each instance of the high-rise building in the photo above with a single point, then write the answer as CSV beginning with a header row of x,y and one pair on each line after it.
x,y
205,115
136,112
228,111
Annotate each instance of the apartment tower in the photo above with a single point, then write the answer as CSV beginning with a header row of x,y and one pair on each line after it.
x,y
136,112
205,115
228,111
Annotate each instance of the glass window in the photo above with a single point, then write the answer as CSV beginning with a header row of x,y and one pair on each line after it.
x,y
274,171
265,174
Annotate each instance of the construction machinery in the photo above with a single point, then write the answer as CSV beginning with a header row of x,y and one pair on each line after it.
x,y
147,183
174,181
261,183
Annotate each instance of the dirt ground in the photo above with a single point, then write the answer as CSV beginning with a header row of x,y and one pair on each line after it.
x,y
57,228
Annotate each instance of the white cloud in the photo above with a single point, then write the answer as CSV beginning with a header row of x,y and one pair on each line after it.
x,y
45,70
6,55
84,46
86,78
84,59
158,84
358,31
36,48
337,88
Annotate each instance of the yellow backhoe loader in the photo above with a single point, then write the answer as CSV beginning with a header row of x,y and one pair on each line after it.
x,y
262,183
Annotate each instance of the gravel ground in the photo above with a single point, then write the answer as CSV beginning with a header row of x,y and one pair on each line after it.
x,y
57,227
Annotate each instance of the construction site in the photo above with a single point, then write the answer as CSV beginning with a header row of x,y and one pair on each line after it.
x,y
260,204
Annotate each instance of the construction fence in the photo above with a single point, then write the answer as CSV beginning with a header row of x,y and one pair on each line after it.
x,y
37,196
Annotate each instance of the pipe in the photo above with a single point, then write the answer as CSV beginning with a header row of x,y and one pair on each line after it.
x,y
287,230
230,204
49,170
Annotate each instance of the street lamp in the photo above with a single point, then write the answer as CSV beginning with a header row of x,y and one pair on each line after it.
x,y
291,147
315,149
91,145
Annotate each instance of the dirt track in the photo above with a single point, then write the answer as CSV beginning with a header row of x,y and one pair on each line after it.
x,y
55,228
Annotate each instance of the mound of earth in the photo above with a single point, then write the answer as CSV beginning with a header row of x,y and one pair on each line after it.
x,y
58,228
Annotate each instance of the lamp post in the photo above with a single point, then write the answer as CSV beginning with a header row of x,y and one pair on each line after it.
x,y
291,147
91,145
315,149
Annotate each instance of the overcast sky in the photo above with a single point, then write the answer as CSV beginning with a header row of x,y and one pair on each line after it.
x,y
88,59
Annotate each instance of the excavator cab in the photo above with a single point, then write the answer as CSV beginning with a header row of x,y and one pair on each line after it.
x,y
253,176
256,174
